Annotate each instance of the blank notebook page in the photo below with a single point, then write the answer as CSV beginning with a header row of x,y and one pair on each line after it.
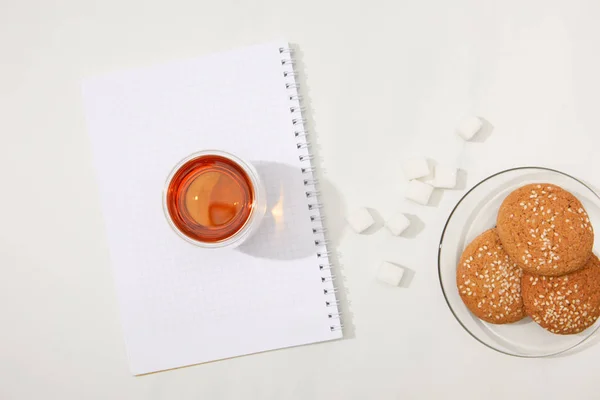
x,y
181,304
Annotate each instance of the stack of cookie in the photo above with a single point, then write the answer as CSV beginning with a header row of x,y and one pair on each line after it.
x,y
537,262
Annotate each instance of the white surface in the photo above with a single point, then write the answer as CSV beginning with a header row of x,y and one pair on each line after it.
x,y
445,177
390,273
468,127
385,79
360,220
181,304
397,224
415,167
419,192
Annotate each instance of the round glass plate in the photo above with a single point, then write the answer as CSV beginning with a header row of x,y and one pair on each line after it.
x,y
475,213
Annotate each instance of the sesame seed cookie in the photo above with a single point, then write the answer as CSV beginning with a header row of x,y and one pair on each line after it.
x,y
565,304
489,282
545,230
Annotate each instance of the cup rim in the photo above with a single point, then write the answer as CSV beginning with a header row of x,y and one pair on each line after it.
x,y
251,222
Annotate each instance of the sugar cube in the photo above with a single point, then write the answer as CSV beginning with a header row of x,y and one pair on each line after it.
x,y
468,127
419,192
360,220
390,273
397,224
415,167
444,177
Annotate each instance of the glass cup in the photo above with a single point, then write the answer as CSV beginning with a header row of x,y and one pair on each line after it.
x,y
214,199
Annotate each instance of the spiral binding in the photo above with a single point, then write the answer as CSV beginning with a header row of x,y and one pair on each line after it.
x,y
311,183
300,133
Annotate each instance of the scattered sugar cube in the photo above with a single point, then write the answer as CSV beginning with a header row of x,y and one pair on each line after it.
x,y
419,192
415,167
445,177
360,220
468,127
397,224
390,273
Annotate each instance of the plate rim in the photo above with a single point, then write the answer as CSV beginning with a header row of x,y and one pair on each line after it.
x,y
592,334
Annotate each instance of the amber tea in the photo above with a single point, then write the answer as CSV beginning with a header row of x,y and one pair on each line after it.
x,y
210,198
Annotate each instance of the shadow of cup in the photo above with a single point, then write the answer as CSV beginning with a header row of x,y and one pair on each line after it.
x,y
286,231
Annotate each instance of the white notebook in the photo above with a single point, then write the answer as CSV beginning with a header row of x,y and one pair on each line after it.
x,y
181,304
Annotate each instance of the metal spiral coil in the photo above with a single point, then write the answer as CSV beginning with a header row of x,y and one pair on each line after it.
x,y
297,121
305,157
311,183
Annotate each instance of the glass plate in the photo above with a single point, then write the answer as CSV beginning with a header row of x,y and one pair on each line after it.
x,y
475,213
